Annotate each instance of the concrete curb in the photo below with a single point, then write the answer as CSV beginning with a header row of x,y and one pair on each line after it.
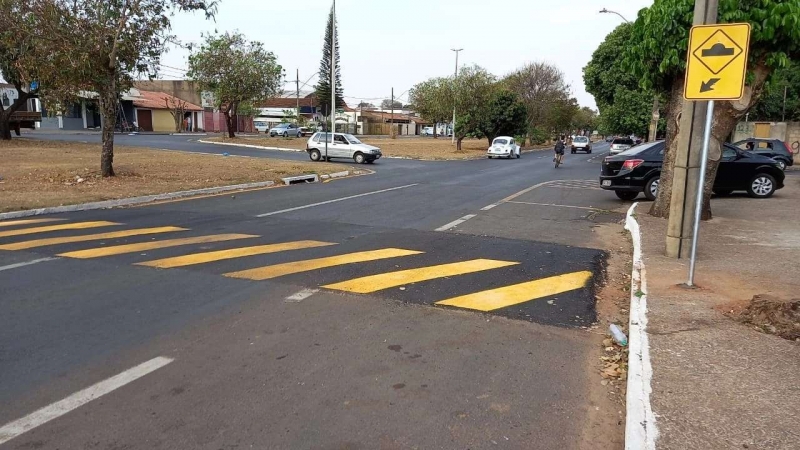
x,y
640,422
260,147
132,200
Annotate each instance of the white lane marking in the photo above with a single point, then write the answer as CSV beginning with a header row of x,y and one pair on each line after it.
x,y
55,410
525,191
335,200
300,296
456,222
560,206
488,207
26,263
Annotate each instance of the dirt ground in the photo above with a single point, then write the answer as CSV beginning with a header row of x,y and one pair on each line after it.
x,y
416,148
38,174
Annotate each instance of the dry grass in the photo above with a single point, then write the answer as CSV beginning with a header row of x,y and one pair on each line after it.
x,y
416,148
37,174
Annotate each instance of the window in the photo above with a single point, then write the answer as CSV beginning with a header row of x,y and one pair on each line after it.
x,y
339,139
622,141
582,139
512,142
322,137
352,139
500,142
728,153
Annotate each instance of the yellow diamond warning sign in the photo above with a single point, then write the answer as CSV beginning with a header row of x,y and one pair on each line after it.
x,y
716,63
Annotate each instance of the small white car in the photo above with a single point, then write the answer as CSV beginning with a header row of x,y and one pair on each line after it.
x,y
261,126
427,131
341,146
503,147
619,145
582,144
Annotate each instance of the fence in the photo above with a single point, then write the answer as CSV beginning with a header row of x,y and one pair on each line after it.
x,y
215,122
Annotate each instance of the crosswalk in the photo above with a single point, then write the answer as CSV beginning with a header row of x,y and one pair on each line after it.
x,y
273,260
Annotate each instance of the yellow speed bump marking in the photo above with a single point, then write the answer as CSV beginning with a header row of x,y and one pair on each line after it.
x,y
63,226
519,293
152,245
88,237
11,223
365,285
219,255
279,270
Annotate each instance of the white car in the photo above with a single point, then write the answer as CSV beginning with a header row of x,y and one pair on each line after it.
x,y
503,147
619,145
261,126
341,146
581,143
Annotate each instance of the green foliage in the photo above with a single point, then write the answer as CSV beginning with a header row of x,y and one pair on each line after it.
x,y
585,119
538,135
629,114
433,99
561,115
473,92
506,115
659,39
237,71
770,106
323,87
545,93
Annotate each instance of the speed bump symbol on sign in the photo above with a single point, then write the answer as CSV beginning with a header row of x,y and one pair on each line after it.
x,y
716,63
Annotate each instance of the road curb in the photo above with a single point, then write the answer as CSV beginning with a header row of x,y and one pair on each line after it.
x,y
640,421
106,204
260,147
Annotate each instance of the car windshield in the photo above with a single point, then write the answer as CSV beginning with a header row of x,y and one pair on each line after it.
x,y
352,139
581,139
283,125
500,142
622,141
260,124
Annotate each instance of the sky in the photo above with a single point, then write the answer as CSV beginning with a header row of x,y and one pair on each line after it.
x,y
396,44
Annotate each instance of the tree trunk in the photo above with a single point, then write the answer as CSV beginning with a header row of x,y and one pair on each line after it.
x,y
726,115
229,121
458,143
108,113
5,126
5,115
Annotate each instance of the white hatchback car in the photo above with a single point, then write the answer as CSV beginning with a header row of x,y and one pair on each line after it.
x,y
341,146
503,147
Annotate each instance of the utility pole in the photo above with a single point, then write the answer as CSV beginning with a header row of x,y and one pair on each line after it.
x,y
457,50
391,120
297,81
688,160
783,117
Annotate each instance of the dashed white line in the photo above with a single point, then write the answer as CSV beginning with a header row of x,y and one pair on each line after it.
x,y
456,223
559,206
55,410
298,297
488,207
335,200
26,263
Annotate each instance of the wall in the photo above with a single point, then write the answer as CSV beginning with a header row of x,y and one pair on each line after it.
x,y
185,90
793,139
163,121
49,123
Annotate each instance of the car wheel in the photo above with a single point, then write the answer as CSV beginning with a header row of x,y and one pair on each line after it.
x,y
315,155
761,186
359,158
723,192
573,152
626,195
272,135
489,157
781,164
589,152
651,188
371,161
286,134
519,154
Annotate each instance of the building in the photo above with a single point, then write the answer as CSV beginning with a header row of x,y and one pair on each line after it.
x,y
384,122
153,111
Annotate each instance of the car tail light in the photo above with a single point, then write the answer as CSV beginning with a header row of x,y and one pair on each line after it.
x,y
632,164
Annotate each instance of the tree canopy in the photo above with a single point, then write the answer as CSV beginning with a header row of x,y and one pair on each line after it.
x,y
323,87
236,71
771,105
433,99
546,95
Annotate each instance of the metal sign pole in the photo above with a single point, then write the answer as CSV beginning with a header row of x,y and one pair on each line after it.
x,y
698,207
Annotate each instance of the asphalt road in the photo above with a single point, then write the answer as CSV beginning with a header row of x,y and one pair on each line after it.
x,y
429,305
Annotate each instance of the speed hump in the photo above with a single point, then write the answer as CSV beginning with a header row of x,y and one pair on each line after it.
x,y
717,61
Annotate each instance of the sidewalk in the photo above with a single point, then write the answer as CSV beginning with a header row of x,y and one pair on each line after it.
x,y
718,383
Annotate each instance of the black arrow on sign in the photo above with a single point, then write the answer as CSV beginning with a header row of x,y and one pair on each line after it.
x,y
708,85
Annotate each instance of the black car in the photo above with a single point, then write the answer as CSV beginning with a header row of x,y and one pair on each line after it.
x,y
639,170
773,148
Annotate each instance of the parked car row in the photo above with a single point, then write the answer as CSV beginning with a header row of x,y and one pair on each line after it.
x,y
639,170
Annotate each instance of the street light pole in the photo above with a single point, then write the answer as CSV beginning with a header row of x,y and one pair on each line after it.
x,y
454,105
608,11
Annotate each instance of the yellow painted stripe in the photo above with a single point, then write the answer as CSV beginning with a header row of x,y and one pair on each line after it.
x,y
519,293
279,270
207,257
88,237
63,226
11,223
152,245
365,285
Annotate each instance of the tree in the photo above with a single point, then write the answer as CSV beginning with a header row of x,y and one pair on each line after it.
x,y
562,112
657,56
542,88
506,115
625,108
323,87
387,104
367,106
585,119
771,105
433,100
99,46
177,109
473,93
236,71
